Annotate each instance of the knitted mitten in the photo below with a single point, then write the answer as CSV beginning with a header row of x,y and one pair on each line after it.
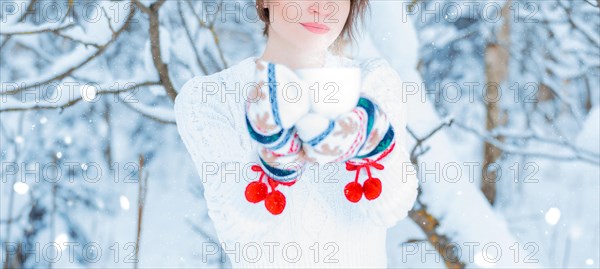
x,y
270,118
361,138
380,142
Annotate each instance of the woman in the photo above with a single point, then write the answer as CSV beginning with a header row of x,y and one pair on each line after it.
x,y
318,223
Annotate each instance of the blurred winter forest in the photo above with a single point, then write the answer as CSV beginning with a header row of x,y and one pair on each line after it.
x,y
503,127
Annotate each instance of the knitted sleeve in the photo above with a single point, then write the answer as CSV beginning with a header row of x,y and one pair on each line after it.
x,y
207,128
205,124
398,178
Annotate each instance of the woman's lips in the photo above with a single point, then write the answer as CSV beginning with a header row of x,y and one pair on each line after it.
x,y
316,28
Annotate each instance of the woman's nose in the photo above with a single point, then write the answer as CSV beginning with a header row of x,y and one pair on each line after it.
x,y
323,8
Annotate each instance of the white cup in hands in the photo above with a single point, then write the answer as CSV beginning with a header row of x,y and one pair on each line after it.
x,y
333,91
292,100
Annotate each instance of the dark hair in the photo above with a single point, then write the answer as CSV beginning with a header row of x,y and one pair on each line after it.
x,y
348,34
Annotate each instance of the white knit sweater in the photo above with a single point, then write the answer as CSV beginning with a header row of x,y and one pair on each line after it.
x,y
319,227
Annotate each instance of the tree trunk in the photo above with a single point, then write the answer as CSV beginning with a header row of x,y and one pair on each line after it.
x,y
496,68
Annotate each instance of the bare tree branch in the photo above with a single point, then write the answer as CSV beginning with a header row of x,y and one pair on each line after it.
x,y
423,218
147,114
574,25
75,101
213,32
191,40
38,30
511,149
154,30
70,71
30,10
142,191
420,141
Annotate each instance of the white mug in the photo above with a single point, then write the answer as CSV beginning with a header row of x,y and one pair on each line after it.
x,y
332,90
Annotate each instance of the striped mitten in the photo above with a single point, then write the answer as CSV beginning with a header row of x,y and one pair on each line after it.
x,y
361,138
271,114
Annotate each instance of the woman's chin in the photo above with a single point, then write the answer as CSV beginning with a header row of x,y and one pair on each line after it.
x,y
314,45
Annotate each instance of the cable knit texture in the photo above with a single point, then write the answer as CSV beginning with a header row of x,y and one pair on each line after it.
x,y
319,227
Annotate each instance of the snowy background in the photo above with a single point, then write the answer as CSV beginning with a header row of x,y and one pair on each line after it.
x,y
504,128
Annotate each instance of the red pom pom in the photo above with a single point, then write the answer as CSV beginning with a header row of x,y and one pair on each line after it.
x,y
353,192
372,188
256,191
275,202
